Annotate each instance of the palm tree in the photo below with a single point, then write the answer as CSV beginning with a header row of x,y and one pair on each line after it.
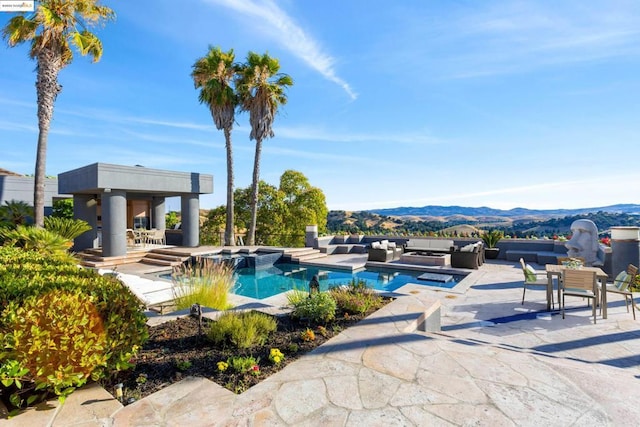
x,y
52,29
262,90
213,74
15,212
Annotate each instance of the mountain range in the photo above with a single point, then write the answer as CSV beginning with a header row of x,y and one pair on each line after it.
x,y
447,211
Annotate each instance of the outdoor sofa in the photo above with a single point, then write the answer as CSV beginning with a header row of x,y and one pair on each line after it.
x,y
430,245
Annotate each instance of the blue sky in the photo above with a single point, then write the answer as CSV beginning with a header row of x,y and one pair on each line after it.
x,y
407,103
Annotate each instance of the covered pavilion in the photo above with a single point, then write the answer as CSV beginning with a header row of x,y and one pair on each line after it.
x,y
113,198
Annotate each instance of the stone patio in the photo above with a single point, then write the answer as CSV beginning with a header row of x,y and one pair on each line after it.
x,y
496,362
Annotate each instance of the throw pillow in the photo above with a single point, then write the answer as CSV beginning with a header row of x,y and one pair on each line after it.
x,y
622,281
375,245
467,248
391,245
384,244
530,274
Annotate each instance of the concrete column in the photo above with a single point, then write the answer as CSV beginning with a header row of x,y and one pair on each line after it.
x,y
190,212
311,236
114,223
85,208
625,247
158,213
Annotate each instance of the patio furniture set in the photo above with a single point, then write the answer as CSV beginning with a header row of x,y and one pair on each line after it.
x,y
143,237
437,252
578,280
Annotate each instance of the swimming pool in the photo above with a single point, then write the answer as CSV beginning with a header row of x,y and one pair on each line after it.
x,y
282,277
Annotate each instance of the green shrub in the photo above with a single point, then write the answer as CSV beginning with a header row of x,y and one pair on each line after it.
x,y
296,296
205,282
63,208
28,279
318,308
68,228
35,239
242,364
59,348
242,330
356,298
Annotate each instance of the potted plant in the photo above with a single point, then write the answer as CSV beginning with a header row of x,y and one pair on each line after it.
x,y
491,239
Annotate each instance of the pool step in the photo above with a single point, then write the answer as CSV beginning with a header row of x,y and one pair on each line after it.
x,y
93,259
307,255
154,258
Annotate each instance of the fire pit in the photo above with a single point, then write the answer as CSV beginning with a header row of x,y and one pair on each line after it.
x,y
426,258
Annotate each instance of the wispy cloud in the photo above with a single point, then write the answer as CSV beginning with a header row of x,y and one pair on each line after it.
x,y
290,36
314,134
508,37
15,103
13,126
306,154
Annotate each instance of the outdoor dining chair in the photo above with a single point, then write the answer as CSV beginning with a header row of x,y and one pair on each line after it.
x,y
533,278
579,283
621,285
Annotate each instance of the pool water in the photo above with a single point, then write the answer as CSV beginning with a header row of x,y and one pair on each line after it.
x,y
283,277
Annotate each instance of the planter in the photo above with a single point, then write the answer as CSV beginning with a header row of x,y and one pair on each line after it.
x,y
491,253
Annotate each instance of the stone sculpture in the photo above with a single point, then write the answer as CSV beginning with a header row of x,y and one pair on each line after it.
x,y
584,241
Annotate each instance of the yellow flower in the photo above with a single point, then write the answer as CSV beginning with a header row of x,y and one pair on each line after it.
x,y
222,366
276,356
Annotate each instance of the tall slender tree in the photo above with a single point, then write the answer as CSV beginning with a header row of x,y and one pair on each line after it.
x,y
262,90
53,28
214,75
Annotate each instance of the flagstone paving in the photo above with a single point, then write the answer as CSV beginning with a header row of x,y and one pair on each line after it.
x,y
496,362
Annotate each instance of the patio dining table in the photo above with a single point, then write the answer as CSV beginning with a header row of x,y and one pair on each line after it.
x,y
556,270
143,235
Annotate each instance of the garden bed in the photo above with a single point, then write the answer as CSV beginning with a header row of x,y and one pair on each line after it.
x,y
175,350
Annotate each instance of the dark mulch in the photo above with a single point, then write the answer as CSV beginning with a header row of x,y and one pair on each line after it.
x,y
176,350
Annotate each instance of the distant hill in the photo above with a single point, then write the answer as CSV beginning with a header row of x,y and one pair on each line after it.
x,y
458,220
447,211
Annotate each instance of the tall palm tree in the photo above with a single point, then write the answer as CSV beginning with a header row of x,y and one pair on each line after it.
x,y
262,91
52,29
214,75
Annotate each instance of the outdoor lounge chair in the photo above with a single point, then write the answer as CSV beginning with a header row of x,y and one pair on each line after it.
x,y
154,295
381,252
579,283
467,256
533,278
621,285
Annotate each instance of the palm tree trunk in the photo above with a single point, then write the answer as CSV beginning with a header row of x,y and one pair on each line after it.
x,y
47,89
254,194
229,236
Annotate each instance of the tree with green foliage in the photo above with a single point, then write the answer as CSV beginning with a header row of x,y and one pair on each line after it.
x,y
52,29
283,212
269,219
171,219
304,205
63,208
214,75
210,230
262,90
